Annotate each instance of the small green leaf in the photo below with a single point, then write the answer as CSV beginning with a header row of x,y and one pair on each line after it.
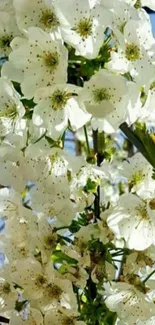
x,y
91,186
20,305
60,257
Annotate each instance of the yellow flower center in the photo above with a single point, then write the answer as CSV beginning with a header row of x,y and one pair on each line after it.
x,y
54,291
136,178
132,52
52,60
59,99
138,4
6,288
142,211
67,321
5,42
40,280
152,85
101,94
84,28
49,241
49,19
9,112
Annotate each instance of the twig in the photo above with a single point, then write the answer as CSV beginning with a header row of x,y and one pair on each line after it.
x,y
148,277
97,197
136,142
87,140
4,320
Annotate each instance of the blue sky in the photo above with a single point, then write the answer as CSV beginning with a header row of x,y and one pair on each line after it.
x,y
152,16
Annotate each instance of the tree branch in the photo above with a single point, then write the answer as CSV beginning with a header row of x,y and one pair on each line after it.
x,y
4,320
132,137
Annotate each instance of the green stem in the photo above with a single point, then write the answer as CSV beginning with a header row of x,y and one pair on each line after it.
x,y
109,38
67,239
95,144
87,140
110,318
119,254
63,138
114,319
101,145
117,249
107,315
97,196
61,228
4,58
99,148
40,138
75,61
78,301
148,277
136,142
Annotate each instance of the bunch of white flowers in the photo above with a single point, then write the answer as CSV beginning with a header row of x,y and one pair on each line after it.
x,y
77,229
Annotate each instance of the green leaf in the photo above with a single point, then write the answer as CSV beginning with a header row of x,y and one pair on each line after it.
x,y
153,174
77,224
91,186
60,257
84,298
50,141
148,141
20,305
142,140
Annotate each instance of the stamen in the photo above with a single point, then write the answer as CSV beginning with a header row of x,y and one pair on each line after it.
x,y
49,19
132,52
84,28
101,94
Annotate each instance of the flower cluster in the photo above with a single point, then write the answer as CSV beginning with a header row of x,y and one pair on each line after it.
x,y
77,232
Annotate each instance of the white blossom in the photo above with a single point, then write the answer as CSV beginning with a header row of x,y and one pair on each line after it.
x,y
138,172
44,286
11,108
36,14
34,317
6,5
36,62
135,52
82,26
62,316
19,235
57,206
105,97
8,294
138,261
56,107
121,12
8,30
135,219
129,303
148,3
105,233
